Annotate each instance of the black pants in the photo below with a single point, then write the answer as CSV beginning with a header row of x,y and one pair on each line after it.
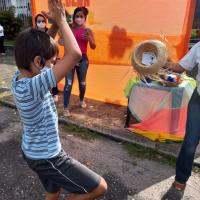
x,y
192,137
55,90
2,48
62,171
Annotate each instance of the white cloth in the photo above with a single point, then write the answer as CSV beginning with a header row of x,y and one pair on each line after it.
x,y
190,60
1,31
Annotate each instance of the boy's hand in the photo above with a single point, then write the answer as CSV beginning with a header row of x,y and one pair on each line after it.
x,y
56,12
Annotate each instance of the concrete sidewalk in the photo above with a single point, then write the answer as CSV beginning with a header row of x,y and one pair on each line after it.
x,y
106,119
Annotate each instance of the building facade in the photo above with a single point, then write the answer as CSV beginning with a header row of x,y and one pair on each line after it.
x,y
196,23
22,7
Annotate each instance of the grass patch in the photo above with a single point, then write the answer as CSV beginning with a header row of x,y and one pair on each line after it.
x,y
150,154
196,169
80,132
9,42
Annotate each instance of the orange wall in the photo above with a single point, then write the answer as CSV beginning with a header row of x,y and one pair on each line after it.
x,y
118,27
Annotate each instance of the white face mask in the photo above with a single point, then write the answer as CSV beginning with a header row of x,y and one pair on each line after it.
x,y
41,25
80,21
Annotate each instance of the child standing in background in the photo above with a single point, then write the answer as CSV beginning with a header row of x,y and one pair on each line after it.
x,y
2,48
41,24
83,36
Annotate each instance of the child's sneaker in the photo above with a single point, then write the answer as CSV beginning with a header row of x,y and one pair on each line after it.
x,y
83,104
66,112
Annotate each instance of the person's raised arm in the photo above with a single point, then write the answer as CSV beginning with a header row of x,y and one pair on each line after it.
x,y
72,52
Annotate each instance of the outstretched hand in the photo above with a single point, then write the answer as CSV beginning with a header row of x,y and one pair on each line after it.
x,y
56,12
175,67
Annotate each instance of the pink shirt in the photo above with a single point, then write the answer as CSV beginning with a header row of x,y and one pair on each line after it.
x,y
78,33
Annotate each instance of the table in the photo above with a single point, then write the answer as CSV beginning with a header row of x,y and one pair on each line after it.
x,y
159,110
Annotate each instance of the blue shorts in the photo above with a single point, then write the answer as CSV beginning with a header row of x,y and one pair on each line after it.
x,y
64,172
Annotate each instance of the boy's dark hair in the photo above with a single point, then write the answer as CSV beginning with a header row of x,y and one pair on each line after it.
x,y
31,43
81,9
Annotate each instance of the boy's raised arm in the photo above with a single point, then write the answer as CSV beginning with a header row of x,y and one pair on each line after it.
x,y
72,51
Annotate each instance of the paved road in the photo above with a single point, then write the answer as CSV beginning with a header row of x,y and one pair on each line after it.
x,y
128,177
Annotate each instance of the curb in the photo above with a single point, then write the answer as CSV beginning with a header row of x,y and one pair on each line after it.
x,y
104,133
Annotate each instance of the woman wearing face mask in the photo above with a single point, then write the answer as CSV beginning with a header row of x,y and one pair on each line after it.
x,y
41,22
83,36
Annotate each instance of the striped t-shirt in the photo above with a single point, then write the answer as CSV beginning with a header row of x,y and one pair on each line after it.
x,y
40,139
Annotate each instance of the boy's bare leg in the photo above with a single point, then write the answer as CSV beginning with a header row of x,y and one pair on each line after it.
x,y
97,192
54,196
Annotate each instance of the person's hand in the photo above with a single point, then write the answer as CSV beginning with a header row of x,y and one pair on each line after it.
x,y
87,34
168,65
56,12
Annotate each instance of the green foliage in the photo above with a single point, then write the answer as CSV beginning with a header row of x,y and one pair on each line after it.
x,y
147,153
194,33
80,132
30,22
12,25
196,169
9,42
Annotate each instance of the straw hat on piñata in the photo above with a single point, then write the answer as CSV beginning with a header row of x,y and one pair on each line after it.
x,y
149,47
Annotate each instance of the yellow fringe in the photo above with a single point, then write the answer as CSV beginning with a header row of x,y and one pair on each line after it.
x,y
161,137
